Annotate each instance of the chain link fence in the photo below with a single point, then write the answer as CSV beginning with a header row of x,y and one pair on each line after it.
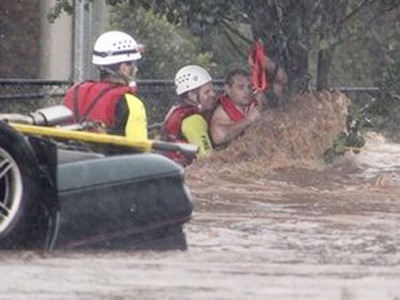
x,y
22,96
25,95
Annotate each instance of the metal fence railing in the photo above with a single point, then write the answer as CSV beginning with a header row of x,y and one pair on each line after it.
x,y
24,95
31,88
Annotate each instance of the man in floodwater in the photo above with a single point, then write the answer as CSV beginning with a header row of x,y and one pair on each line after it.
x,y
237,108
187,121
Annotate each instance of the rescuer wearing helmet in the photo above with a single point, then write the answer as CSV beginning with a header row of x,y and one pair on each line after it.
x,y
111,101
188,121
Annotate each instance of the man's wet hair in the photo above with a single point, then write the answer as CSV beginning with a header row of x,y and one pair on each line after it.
x,y
235,72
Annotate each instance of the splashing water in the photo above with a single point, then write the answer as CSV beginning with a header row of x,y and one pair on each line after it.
x,y
294,136
379,160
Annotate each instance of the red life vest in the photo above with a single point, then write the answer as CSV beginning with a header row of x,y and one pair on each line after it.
x,y
95,101
172,131
172,127
232,110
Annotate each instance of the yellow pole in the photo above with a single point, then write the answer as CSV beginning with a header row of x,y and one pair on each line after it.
x,y
93,137
101,138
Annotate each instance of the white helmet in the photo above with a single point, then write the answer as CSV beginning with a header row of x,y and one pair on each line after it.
x,y
115,47
190,77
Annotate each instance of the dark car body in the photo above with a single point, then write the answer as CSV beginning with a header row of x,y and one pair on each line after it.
x,y
53,197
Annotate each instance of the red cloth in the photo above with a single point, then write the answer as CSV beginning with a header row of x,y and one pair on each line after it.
x,y
258,59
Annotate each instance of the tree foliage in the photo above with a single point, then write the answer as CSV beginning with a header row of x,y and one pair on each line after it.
x,y
291,29
299,34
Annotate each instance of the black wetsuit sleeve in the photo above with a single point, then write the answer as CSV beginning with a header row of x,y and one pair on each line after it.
x,y
121,116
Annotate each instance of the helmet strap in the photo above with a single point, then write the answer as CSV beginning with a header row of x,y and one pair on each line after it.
x,y
194,102
116,74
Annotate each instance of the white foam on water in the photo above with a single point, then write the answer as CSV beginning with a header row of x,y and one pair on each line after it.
x,y
378,157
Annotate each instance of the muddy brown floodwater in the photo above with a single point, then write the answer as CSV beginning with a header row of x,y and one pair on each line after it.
x,y
270,222
327,233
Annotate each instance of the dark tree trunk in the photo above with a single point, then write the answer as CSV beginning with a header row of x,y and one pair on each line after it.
x,y
323,68
332,24
297,68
